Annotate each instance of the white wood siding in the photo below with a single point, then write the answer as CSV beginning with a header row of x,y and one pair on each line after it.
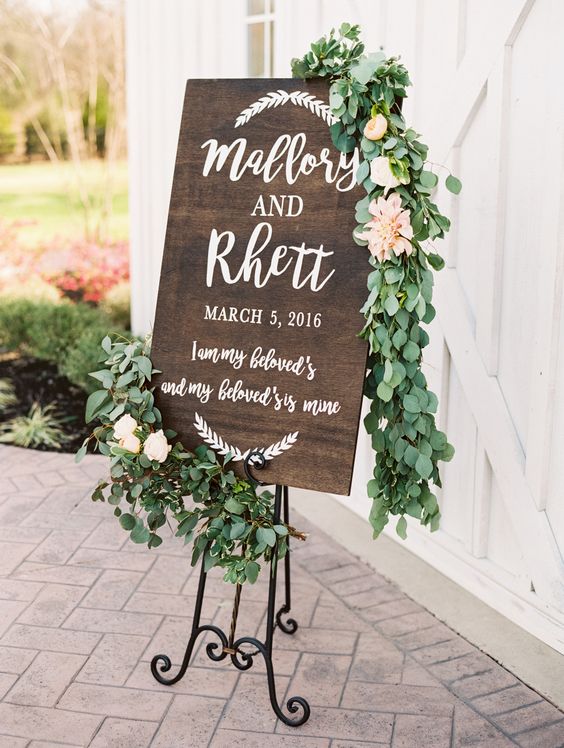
x,y
487,99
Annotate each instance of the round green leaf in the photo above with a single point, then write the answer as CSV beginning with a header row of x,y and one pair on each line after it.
x,y
410,456
424,466
362,172
448,453
252,571
428,179
127,521
453,184
438,440
238,529
410,351
384,392
234,507
135,490
411,404
266,535
140,534
391,305
399,338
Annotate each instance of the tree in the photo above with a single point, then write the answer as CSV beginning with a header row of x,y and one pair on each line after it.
x,y
64,75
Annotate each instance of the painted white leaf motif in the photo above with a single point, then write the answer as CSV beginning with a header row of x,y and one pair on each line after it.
x,y
218,444
278,98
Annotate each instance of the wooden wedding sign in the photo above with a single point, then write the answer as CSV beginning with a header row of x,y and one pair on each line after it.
x,y
261,283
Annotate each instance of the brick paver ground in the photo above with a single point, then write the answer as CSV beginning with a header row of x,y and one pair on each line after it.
x,y
82,611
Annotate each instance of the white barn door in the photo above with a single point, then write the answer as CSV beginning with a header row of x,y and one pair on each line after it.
x,y
487,97
487,81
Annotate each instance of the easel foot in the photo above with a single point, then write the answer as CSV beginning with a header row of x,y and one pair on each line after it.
x,y
290,626
161,663
294,703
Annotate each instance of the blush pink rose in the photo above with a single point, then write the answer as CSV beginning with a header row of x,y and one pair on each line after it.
x,y
376,128
131,443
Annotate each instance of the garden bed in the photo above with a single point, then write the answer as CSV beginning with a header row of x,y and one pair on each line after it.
x,y
38,381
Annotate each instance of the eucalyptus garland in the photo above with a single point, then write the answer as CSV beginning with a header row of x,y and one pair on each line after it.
x,y
397,221
230,524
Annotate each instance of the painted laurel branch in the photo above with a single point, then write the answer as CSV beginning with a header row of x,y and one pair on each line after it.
x,y
278,98
219,444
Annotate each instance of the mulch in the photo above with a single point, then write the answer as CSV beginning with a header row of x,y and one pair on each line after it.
x,y
39,381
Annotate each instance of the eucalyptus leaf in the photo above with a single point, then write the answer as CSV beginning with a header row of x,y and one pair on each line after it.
x,y
237,530
95,401
428,179
424,466
127,521
410,351
266,535
252,571
453,184
81,453
234,506
384,392
391,305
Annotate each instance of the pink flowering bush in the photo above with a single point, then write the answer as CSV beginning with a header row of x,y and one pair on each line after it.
x,y
84,270
79,269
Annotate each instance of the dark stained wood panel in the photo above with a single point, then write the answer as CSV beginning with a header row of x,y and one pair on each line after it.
x,y
282,312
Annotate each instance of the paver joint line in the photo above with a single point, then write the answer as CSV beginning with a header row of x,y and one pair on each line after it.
x,y
467,703
94,624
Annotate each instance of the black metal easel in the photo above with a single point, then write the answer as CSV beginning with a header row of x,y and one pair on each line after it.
x,y
242,659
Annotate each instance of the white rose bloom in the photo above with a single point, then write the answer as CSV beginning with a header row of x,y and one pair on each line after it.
x,y
381,174
131,443
124,426
156,446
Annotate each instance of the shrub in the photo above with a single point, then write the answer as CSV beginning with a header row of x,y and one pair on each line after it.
x,y
67,334
117,304
83,358
15,316
55,331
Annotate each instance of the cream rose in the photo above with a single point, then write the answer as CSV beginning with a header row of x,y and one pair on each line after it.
x,y
131,443
156,446
381,173
376,128
124,426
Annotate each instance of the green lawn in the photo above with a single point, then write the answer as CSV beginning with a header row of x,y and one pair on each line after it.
x,y
47,195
